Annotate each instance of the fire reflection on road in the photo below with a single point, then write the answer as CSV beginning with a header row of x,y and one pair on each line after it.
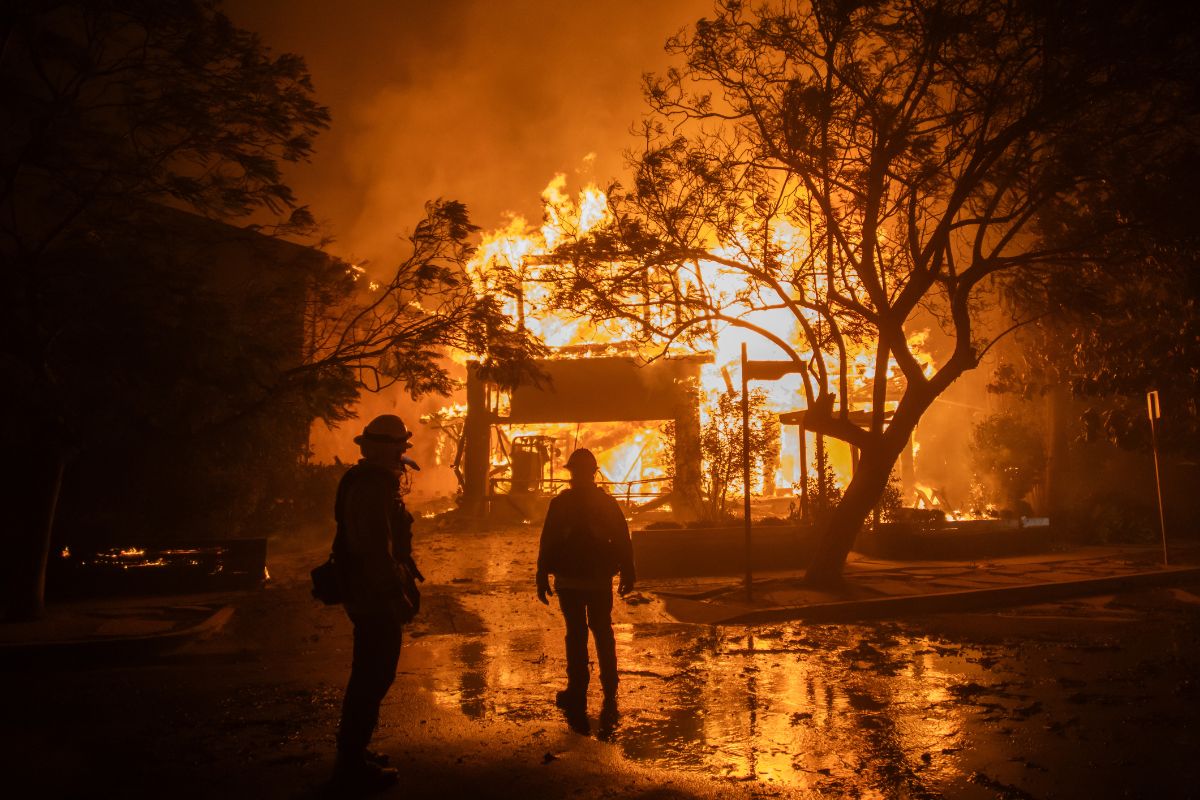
x,y
805,707
1015,704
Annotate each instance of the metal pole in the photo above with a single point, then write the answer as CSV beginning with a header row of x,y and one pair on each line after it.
x,y
746,473
804,512
1155,412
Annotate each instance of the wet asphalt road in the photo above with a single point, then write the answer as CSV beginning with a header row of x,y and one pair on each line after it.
x,y
1092,698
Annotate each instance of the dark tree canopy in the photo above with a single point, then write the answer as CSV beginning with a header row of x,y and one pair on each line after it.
x,y
398,331
1128,321
110,109
145,100
114,112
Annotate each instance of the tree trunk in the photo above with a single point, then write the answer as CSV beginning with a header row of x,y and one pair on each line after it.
x,y
28,601
870,479
687,500
477,433
863,493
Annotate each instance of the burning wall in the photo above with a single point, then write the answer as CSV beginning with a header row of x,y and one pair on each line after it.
x,y
611,402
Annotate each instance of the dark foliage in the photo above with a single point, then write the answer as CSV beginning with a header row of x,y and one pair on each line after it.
x,y
1009,458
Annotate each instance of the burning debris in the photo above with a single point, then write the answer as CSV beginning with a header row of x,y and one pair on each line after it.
x,y
167,568
510,445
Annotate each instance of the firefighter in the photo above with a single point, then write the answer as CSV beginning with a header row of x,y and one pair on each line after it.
x,y
585,542
373,554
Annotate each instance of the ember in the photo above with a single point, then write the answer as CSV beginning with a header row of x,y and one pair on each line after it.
x,y
208,566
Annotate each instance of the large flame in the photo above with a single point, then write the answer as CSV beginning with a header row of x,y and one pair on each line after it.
x,y
518,252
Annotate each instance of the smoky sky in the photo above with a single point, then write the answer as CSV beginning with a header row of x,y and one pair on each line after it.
x,y
473,100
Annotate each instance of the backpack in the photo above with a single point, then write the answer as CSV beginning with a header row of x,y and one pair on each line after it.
x,y
326,578
408,596
586,549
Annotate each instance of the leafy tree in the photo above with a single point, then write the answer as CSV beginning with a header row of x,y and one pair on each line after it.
x,y
891,500
1008,455
871,169
1128,322
399,331
824,489
109,106
722,451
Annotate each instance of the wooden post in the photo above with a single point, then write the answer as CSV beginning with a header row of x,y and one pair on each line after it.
x,y
477,433
685,489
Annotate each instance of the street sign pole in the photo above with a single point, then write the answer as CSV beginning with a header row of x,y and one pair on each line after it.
x,y
746,473
758,371
1154,410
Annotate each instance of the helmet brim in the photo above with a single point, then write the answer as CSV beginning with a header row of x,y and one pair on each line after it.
x,y
381,438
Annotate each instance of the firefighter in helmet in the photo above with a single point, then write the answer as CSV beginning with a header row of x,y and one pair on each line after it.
x,y
372,550
585,542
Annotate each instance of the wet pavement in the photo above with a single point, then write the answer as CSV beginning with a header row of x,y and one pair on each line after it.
x,y
1091,697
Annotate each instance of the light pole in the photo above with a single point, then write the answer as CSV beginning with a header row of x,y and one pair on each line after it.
x,y
1154,410
759,371
746,475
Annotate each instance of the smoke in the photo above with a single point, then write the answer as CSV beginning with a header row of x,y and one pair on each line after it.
x,y
430,449
470,100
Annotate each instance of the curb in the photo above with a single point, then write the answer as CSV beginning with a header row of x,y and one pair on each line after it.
x,y
963,600
109,644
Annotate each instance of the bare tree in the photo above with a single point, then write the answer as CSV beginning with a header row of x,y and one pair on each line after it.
x,y
867,169
401,330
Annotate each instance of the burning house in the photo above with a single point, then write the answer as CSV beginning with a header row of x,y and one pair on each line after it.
x,y
645,408
584,401
601,391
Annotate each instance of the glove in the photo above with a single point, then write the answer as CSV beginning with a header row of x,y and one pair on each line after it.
x,y
543,588
625,585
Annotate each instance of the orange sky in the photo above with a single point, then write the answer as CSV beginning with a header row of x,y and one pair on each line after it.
x,y
470,100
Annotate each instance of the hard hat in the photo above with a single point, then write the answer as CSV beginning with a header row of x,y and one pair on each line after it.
x,y
582,459
386,428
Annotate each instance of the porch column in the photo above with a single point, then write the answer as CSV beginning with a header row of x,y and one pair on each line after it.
x,y
477,432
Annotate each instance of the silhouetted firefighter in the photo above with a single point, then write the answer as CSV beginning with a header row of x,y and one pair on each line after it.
x,y
585,542
373,554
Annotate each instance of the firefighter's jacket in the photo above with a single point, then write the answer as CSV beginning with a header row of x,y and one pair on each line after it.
x,y
585,540
374,537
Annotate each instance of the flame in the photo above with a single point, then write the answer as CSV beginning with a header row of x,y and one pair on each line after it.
x,y
517,253
514,251
631,455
